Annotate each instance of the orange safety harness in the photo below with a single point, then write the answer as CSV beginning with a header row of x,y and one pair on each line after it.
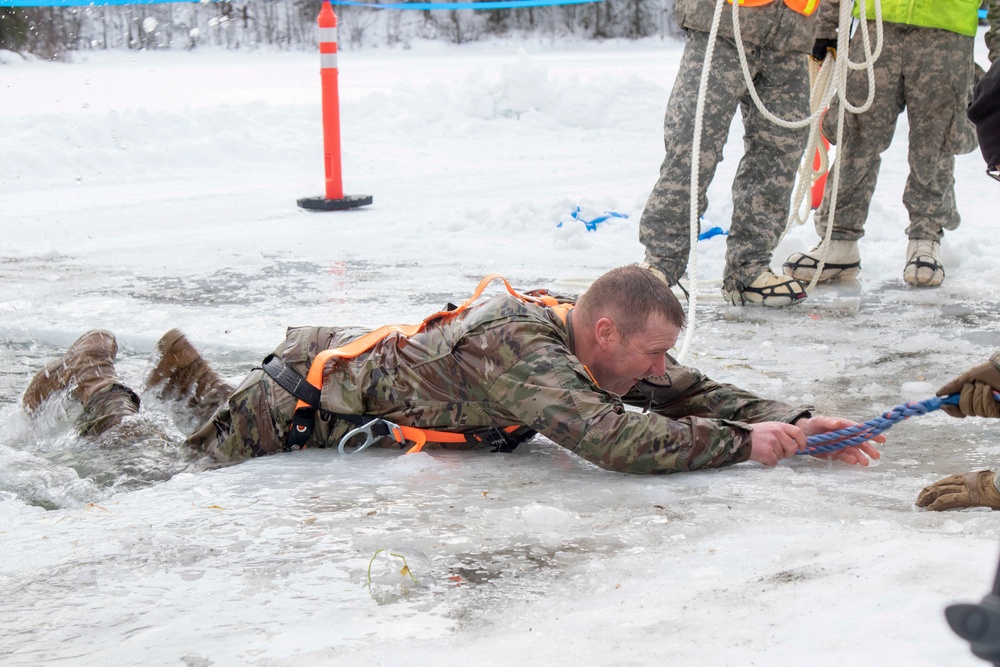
x,y
308,389
804,7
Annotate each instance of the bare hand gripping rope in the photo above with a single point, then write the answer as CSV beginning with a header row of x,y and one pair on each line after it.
x,y
856,435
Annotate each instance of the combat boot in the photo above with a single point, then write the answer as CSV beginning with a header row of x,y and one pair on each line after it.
x,y
767,289
87,369
655,271
182,375
842,262
923,263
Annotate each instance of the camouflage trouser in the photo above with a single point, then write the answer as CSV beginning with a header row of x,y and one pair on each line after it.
x,y
256,418
105,408
930,73
766,174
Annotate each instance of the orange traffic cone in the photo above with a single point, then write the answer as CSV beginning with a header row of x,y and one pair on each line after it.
x,y
334,199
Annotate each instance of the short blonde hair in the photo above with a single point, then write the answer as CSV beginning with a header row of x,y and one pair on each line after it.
x,y
629,296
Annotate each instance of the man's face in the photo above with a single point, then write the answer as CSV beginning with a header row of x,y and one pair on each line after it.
x,y
620,364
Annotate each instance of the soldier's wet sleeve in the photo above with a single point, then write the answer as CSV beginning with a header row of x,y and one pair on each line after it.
x,y
554,395
686,391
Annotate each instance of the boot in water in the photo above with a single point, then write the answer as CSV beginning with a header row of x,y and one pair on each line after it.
x,y
182,375
87,369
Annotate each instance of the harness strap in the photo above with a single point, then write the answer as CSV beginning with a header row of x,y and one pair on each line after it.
x,y
494,437
804,7
500,440
304,418
360,345
308,390
290,381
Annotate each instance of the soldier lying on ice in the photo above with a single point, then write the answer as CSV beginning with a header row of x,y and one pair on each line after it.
x,y
510,364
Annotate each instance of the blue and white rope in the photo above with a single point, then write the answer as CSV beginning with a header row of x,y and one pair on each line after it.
x,y
856,435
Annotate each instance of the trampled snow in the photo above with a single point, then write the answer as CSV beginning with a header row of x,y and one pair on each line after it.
x,y
144,191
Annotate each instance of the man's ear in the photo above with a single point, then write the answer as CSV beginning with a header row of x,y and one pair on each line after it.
x,y
606,332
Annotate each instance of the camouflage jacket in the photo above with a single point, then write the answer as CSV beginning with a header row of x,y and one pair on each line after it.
x,y
504,362
773,25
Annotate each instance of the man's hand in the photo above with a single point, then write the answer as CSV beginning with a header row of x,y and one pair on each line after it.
x,y
976,387
973,489
856,455
772,441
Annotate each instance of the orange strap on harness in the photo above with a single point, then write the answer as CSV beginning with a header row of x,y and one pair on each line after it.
x,y
804,7
304,412
381,428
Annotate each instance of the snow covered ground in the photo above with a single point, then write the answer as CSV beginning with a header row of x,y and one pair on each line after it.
x,y
144,191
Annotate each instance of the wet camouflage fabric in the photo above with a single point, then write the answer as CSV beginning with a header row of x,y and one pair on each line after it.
x,y
105,408
774,25
763,184
500,363
930,73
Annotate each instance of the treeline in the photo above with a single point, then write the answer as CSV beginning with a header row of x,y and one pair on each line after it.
x,y
52,32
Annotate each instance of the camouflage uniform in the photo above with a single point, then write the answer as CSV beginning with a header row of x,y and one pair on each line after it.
x,y
497,364
105,408
776,40
930,72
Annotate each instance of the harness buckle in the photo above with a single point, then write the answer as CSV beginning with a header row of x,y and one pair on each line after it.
x,y
372,431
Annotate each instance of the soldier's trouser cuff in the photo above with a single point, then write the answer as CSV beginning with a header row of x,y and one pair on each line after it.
x,y
106,408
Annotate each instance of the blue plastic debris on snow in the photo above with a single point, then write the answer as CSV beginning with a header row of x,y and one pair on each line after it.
x,y
591,224
714,231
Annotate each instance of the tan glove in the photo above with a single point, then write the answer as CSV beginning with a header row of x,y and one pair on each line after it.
x,y
976,387
973,489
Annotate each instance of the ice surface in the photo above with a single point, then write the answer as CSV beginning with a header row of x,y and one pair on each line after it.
x,y
144,191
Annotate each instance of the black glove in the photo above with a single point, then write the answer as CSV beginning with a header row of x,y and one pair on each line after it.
x,y
822,47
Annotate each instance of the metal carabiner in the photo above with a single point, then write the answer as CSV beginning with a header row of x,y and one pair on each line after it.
x,y
394,431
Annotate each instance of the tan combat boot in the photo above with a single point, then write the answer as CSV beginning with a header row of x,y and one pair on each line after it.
x,y
767,289
88,370
182,375
655,271
923,263
841,261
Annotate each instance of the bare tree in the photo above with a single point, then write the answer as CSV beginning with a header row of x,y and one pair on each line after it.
x,y
51,32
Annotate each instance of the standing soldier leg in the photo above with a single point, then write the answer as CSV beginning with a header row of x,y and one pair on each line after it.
x,y
865,137
87,369
664,228
938,79
764,181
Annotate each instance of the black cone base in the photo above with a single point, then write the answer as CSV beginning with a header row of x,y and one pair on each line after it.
x,y
322,204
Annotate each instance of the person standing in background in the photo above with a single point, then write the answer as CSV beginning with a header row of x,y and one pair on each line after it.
x,y
777,35
926,67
